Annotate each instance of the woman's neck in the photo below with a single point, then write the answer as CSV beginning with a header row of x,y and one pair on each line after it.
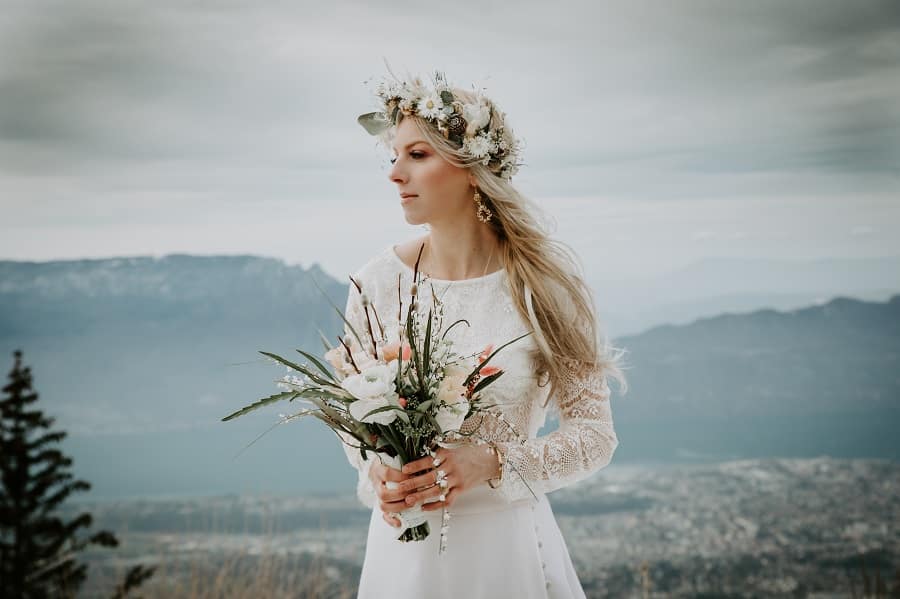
x,y
460,255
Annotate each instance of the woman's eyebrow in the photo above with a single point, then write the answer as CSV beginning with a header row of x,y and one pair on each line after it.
x,y
411,144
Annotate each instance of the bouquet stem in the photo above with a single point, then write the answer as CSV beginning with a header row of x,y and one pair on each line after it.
x,y
416,533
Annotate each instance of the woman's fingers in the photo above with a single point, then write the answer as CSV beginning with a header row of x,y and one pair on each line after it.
x,y
437,505
384,479
418,482
391,519
418,465
388,473
433,491
392,506
390,495
427,462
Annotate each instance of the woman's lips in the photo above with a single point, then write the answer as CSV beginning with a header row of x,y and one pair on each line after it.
x,y
406,199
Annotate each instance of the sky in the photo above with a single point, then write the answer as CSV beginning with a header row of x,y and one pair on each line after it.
x,y
656,134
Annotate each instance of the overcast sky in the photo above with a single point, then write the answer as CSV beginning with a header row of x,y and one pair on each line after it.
x,y
656,133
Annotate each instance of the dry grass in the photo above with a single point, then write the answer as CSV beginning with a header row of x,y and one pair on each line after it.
x,y
218,563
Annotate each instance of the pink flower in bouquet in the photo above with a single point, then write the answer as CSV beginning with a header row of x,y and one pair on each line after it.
x,y
489,370
402,402
335,357
451,395
392,350
485,353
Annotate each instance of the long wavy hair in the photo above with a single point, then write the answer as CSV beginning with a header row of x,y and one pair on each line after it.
x,y
545,275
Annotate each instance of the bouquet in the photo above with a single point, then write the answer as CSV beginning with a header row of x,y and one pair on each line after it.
x,y
395,391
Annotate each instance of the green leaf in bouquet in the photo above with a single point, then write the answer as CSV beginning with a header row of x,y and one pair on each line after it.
x,y
488,359
383,409
360,431
339,313
327,394
427,351
267,431
300,368
432,421
318,365
424,406
363,446
397,443
336,424
332,413
447,330
262,402
328,347
414,351
486,381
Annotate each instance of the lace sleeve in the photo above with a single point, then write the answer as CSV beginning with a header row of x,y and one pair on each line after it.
x,y
364,489
583,443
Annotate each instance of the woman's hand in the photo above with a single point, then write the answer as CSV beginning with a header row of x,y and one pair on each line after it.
x,y
465,467
391,500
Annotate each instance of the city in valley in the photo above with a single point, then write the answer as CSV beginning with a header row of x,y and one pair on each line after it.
x,y
817,527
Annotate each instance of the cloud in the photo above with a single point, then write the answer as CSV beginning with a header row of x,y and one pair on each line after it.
x,y
164,114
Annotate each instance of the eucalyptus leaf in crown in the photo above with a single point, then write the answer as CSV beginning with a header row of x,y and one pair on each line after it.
x,y
478,128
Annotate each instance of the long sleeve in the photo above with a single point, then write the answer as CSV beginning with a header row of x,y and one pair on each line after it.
x,y
583,443
364,489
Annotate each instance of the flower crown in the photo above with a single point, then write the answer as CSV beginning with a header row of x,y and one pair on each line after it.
x,y
478,128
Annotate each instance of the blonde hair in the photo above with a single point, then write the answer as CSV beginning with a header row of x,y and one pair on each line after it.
x,y
545,275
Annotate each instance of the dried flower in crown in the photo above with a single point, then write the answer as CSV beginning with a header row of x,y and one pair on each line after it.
x,y
478,128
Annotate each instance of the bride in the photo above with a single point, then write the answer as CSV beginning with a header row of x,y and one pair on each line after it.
x,y
491,263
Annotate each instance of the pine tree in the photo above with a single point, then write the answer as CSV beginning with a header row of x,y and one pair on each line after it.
x,y
37,548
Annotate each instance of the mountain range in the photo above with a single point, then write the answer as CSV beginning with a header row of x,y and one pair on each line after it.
x,y
139,359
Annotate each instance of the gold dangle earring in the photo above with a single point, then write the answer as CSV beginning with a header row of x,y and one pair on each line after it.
x,y
484,215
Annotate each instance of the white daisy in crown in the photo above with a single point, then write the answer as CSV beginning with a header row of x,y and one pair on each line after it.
x,y
479,146
431,107
478,126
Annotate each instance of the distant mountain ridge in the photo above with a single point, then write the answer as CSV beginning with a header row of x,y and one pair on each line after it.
x,y
192,289
172,275
716,285
847,350
140,358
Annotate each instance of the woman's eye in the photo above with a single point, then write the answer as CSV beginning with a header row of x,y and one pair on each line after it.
x,y
415,155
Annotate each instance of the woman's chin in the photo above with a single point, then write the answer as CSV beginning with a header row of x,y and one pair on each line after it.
x,y
412,218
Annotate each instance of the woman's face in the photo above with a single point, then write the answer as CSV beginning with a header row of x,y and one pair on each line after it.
x,y
440,190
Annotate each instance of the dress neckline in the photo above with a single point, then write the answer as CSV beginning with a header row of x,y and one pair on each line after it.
x,y
484,278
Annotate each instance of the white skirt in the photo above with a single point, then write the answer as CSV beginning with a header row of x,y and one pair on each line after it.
x,y
494,550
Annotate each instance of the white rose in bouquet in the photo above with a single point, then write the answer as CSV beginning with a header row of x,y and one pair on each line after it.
x,y
364,361
450,395
373,388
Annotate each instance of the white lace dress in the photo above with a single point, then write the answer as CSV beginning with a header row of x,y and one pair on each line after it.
x,y
500,542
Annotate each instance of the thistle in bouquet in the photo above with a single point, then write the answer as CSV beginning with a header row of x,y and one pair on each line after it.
x,y
397,391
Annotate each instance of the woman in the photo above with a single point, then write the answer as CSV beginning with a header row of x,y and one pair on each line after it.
x,y
490,262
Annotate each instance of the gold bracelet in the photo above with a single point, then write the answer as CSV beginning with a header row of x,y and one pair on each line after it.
x,y
500,461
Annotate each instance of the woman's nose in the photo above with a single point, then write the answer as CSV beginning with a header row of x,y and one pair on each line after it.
x,y
395,174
